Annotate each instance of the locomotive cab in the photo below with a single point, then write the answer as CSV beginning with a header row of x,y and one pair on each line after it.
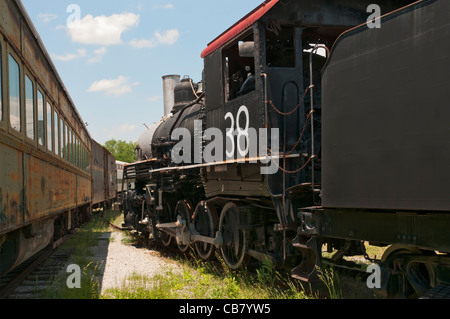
x,y
260,83
263,76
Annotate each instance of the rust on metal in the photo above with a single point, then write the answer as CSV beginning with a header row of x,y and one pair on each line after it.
x,y
39,186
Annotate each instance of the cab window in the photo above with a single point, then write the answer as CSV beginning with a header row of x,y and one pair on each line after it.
x,y
239,67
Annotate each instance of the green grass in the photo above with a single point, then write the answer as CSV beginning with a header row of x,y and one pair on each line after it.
x,y
214,280
199,280
195,279
80,246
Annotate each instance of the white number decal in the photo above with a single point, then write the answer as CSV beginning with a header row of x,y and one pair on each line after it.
x,y
242,132
230,135
243,147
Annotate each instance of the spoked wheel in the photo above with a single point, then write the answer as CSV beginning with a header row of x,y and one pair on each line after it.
x,y
234,239
205,222
184,210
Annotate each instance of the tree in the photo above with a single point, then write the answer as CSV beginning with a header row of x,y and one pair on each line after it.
x,y
121,150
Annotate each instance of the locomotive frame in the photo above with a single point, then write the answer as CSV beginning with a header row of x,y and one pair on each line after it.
x,y
287,217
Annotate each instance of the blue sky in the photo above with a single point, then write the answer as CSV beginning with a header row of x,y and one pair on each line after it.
x,y
112,60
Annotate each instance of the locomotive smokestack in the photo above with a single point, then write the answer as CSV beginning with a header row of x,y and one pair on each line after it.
x,y
169,84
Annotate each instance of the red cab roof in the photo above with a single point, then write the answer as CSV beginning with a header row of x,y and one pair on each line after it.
x,y
239,27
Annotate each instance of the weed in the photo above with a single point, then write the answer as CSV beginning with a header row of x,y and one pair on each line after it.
x,y
331,281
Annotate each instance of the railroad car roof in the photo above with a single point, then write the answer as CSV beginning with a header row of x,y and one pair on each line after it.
x,y
239,26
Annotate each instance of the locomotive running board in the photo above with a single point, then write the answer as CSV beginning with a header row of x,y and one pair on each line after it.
x,y
235,161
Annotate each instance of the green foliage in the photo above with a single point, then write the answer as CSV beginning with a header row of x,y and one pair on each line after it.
x,y
331,281
122,151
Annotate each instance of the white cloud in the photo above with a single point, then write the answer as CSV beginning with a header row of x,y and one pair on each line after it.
x,y
127,127
122,132
164,6
143,43
47,17
169,37
101,51
81,53
116,87
153,99
98,55
102,30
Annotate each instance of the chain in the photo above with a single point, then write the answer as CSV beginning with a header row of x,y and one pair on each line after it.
x,y
373,261
293,172
301,135
296,108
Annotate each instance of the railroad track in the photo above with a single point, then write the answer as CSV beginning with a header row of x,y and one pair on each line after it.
x,y
30,279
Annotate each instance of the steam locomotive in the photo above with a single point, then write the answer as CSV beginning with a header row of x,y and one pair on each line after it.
x,y
313,125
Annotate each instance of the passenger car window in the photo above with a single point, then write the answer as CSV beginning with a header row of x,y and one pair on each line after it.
x,y
1,86
49,128
56,132
41,119
70,147
14,95
66,142
61,136
29,108
77,152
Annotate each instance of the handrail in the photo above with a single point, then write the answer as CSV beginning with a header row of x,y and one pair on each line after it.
x,y
311,79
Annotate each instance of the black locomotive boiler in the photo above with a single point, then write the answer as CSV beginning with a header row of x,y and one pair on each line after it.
x,y
312,126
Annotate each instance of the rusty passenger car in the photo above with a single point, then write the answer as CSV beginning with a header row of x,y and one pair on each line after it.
x,y
104,176
45,148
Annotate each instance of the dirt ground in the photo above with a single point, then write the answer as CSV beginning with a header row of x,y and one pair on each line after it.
x,y
121,260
